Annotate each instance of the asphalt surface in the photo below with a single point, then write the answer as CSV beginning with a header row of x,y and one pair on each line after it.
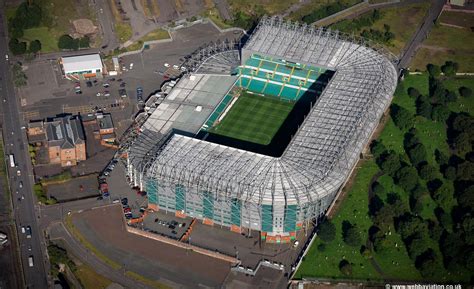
x,y
106,22
16,144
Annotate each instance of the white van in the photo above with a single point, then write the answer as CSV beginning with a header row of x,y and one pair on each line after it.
x,y
30,261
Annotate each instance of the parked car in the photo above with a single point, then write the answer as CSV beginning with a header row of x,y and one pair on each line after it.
x,y
28,232
89,83
166,65
124,201
127,210
105,85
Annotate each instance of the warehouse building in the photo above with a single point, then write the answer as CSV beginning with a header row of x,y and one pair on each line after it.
x,y
82,67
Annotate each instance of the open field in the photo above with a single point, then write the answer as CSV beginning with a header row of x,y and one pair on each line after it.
x,y
89,279
393,261
447,43
270,7
254,118
314,5
403,22
462,19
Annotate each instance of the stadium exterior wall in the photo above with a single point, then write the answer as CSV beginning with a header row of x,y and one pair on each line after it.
x,y
276,196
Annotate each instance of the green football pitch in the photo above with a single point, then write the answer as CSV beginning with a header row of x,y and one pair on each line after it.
x,y
254,118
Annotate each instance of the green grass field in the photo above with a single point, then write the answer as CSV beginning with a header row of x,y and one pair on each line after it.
x,y
254,118
394,261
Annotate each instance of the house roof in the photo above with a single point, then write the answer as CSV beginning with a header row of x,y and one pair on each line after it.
x,y
65,132
73,64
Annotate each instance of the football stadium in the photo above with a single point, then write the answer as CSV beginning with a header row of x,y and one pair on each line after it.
x,y
263,137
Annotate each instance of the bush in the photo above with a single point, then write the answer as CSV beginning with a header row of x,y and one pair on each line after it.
x,y
67,42
345,267
321,247
389,162
413,92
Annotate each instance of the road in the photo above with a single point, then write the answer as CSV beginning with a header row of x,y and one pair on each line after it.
x,y
23,202
421,34
106,21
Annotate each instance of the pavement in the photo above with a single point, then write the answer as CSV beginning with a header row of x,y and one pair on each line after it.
x,y
25,211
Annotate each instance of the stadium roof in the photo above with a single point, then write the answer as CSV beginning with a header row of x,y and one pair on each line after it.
x,y
326,147
72,64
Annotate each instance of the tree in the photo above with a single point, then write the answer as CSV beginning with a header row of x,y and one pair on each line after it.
x,y
451,96
427,172
27,15
67,42
407,178
413,92
389,162
375,204
416,247
462,143
449,68
423,106
427,264
433,70
410,225
417,154
345,267
377,148
465,171
443,196
351,234
441,158
465,91
327,231
35,46
403,118
411,138
17,47
450,173
440,113
378,189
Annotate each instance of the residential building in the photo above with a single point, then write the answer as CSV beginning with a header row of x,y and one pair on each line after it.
x,y
65,141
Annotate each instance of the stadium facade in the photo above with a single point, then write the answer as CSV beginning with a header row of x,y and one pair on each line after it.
x,y
245,190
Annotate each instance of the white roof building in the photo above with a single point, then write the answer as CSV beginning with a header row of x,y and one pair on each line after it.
x,y
83,64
